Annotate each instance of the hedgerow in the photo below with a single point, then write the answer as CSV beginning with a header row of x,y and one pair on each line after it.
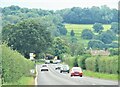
x,y
108,64
14,65
102,64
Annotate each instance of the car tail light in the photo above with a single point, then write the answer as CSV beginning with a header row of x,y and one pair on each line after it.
x,y
80,72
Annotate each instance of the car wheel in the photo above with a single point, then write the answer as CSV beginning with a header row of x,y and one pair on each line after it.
x,y
71,75
68,71
60,71
80,75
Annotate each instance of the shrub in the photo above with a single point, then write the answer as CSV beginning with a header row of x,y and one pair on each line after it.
x,y
81,61
68,59
91,64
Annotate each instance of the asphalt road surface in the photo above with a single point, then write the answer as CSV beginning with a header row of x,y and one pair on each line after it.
x,y
54,77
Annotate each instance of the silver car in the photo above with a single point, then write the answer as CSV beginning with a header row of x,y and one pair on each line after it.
x,y
65,68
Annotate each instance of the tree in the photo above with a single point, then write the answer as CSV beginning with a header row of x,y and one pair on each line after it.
x,y
6,32
114,27
106,37
113,45
74,40
72,33
98,27
59,46
96,44
57,28
87,34
80,50
62,29
30,36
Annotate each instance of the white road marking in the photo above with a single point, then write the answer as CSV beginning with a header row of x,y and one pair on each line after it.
x,y
93,84
36,76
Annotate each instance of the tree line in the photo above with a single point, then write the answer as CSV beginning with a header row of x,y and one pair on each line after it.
x,y
75,15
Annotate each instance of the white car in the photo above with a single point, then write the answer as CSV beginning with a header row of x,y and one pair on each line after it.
x,y
47,61
44,67
64,68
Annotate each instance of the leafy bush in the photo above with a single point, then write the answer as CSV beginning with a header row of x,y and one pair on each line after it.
x,y
68,59
81,61
90,64
14,65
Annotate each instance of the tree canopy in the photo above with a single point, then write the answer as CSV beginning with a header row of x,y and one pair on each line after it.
x,y
75,15
98,27
87,34
30,36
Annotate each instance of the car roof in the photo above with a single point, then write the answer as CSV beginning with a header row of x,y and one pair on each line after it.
x,y
76,68
65,65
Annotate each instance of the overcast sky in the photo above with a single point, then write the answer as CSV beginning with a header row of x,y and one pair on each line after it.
x,y
59,4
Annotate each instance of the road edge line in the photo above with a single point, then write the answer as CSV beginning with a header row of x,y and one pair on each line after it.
x,y
36,76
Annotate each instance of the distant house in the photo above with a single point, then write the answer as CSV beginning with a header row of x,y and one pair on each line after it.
x,y
100,52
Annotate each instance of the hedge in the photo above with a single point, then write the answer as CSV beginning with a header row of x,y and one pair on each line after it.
x,y
108,64
81,60
68,59
90,64
103,64
14,65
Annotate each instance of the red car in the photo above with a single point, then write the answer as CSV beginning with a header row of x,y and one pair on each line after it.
x,y
76,71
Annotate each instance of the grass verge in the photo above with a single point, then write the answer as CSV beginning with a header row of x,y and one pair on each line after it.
x,y
100,75
0,82
23,81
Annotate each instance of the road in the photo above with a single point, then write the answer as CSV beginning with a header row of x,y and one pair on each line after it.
x,y
53,77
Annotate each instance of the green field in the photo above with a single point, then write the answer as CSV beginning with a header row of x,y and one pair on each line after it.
x,y
78,28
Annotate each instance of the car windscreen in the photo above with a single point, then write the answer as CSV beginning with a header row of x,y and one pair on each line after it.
x,y
65,67
76,69
44,65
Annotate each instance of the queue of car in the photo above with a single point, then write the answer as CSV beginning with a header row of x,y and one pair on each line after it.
x,y
75,71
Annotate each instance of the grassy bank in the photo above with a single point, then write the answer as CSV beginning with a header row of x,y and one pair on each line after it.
x,y
15,66
0,82
23,81
100,75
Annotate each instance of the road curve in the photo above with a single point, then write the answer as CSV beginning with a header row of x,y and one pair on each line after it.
x,y
53,77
